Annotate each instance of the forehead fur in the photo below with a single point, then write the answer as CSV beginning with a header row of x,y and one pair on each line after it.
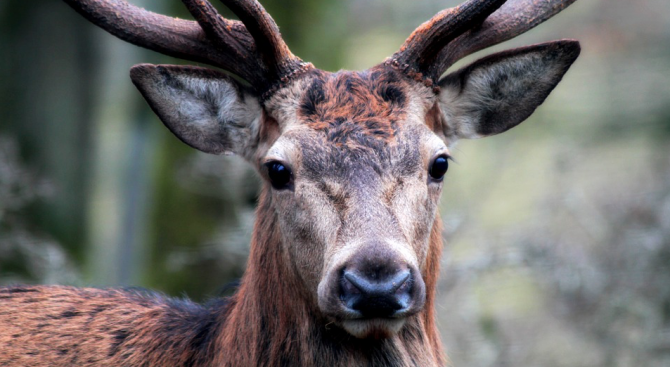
x,y
352,106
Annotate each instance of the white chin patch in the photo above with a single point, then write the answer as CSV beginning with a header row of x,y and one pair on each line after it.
x,y
373,328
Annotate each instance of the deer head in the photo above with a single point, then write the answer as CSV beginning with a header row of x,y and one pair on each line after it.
x,y
352,162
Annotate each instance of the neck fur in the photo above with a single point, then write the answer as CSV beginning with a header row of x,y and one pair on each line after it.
x,y
271,322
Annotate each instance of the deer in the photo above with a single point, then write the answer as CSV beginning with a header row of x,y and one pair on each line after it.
x,y
346,247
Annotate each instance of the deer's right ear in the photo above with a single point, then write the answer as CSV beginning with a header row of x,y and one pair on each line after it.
x,y
205,109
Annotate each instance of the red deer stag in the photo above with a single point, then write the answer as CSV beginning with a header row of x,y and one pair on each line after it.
x,y
346,246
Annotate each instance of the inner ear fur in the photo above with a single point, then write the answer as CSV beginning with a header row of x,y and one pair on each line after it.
x,y
206,109
500,91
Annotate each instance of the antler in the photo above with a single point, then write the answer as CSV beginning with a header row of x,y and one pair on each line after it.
x,y
457,32
512,19
263,28
251,48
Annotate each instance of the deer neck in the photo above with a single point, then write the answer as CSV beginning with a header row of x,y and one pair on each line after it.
x,y
273,322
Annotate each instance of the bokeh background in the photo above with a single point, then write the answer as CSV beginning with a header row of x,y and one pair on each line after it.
x,y
558,232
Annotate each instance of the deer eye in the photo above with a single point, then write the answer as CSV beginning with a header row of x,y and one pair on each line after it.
x,y
280,175
439,167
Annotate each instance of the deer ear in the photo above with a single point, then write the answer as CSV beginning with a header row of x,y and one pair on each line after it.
x,y
205,109
500,91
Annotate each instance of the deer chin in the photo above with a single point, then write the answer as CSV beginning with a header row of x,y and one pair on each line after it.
x,y
380,328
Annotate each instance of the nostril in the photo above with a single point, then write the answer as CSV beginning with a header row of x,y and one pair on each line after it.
x,y
373,285
401,282
349,287
353,283
404,286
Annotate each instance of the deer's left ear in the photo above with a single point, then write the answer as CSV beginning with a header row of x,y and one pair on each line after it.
x,y
500,91
205,109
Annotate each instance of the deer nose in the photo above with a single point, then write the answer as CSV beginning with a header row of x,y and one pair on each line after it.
x,y
378,292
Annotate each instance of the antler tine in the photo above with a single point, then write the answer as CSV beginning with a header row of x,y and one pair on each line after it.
x,y
511,20
218,29
418,54
273,50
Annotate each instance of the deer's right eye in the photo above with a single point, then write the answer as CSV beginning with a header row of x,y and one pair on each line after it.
x,y
279,174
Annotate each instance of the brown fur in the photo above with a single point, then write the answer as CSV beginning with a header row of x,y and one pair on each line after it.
x,y
66,326
430,275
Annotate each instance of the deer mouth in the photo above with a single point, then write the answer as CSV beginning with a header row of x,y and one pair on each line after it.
x,y
380,328
370,325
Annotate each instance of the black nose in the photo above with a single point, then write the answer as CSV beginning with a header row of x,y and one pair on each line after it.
x,y
380,292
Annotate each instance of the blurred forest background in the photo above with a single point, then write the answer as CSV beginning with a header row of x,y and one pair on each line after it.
x,y
558,232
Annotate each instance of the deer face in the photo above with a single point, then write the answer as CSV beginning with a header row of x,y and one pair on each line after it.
x,y
357,211
354,163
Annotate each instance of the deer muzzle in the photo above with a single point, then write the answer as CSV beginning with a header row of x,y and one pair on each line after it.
x,y
373,291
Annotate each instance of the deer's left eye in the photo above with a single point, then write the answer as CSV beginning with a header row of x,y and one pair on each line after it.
x,y
439,167
280,175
